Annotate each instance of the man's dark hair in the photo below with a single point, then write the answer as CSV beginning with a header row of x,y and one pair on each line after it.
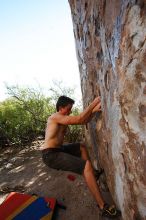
x,y
63,101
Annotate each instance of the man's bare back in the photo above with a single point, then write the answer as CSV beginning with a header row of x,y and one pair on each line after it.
x,y
55,132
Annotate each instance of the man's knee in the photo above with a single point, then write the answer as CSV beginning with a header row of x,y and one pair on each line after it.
x,y
82,146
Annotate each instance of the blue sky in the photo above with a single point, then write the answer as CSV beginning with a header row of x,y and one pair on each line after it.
x,y
37,44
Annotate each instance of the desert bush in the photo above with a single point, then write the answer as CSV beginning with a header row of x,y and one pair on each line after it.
x,y
23,116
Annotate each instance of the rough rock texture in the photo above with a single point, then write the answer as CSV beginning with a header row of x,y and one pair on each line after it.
x,y
110,40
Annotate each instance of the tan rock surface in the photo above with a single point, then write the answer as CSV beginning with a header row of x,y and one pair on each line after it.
x,y
110,41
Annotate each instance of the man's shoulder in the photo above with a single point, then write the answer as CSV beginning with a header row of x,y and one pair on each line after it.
x,y
55,116
52,121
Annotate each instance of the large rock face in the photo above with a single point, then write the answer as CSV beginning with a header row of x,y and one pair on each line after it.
x,y
110,40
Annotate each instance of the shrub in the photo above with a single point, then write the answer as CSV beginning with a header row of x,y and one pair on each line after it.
x,y
24,115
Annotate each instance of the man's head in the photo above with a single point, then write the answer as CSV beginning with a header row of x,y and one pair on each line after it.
x,y
65,103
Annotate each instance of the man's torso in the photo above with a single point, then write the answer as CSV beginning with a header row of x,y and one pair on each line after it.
x,y
54,134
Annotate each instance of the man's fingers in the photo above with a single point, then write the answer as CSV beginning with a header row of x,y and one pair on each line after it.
x,y
99,106
97,100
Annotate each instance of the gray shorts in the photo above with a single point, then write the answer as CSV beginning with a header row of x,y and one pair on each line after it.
x,y
67,157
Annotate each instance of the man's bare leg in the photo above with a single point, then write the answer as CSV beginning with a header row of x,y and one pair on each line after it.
x,y
90,177
84,152
88,173
92,184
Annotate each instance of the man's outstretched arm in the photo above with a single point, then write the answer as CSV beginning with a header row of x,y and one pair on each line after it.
x,y
82,117
97,108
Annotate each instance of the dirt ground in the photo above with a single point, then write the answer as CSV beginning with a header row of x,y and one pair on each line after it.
x,y
22,170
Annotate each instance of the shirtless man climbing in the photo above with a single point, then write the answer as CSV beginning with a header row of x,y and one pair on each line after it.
x,y
73,157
